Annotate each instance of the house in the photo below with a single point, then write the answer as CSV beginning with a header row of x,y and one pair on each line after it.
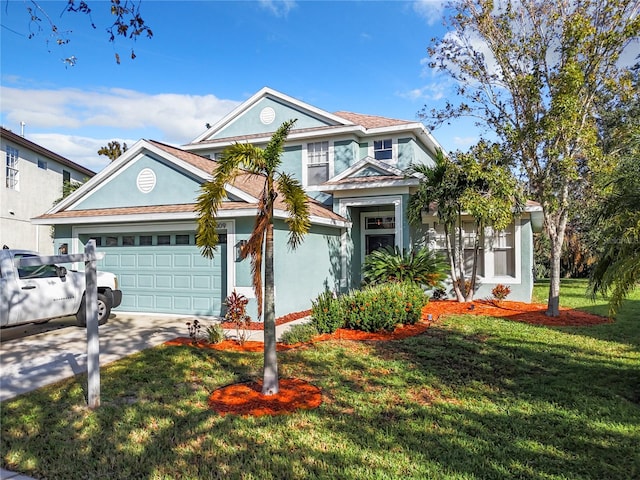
x,y
32,181
140,210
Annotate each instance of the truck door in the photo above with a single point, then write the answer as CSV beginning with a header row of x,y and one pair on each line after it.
x,y
44,294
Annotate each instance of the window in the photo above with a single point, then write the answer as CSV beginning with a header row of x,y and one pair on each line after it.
x,y
42,164
438,241
317,163
36,271
164,240
379,231
146,240
66,176
504,264
112,242
128,241
182,239
12,168
383,149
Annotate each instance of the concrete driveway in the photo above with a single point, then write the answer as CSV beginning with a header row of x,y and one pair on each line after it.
x,y
32,356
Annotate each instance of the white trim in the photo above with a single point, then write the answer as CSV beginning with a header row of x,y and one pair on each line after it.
x,y
345,203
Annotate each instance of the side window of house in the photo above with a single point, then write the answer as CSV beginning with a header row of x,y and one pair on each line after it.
x,y
317,163
383,149
504,258
12,168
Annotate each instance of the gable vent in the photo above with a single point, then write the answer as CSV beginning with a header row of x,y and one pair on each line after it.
x,y
267,115
146,180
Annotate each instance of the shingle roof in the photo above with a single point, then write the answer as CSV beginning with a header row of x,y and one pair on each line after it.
x,y
372,121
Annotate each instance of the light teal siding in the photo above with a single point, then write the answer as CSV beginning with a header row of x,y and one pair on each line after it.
x,y
292,161
172,187
343,155
249,121
305,272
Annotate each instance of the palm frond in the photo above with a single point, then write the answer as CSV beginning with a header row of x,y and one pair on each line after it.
x,y
275,147
297,206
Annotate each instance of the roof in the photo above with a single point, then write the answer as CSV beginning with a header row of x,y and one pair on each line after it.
x,y
372,121
23,142
251,185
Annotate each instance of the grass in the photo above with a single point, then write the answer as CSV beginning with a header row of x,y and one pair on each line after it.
x,y
473,398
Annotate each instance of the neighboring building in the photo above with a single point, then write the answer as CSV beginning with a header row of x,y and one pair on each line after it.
x,y
32,180
140,210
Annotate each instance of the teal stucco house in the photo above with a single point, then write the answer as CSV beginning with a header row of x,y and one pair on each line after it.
x,y
140,211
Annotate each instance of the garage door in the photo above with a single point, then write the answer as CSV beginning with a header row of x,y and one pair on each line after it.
x,y
165,272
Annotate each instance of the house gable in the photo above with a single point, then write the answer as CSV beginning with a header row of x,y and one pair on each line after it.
x,y
264,113
146,180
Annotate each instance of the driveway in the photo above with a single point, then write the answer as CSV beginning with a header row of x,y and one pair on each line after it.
x,y
32,356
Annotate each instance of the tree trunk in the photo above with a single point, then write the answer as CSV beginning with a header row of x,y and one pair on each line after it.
x,y
556,227
270,383
452,253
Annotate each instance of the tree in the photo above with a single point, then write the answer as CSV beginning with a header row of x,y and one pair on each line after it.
x,y
531,71
477,184
113,150
246,159
615,224
617,270
127,23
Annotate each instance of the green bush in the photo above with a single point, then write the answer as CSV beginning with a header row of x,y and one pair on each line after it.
x,y
327,313
300,333
372,309
382,307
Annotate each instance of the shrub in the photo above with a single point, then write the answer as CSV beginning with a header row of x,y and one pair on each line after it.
x,y
422,267
326,312
439,294
215,333
500,292
300,333
382,307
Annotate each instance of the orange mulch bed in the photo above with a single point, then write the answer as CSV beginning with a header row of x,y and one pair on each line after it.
x,y
247,398
279,321
247,346
532,313
295,394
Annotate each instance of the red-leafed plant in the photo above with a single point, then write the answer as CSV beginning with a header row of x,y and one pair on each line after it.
x,y
237,314
500,292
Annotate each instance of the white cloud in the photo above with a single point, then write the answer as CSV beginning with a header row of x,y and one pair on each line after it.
x,y
431,10
79,149
463,143
280,8
73,117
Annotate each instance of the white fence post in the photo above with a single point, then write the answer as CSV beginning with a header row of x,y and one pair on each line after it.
x,y
93,340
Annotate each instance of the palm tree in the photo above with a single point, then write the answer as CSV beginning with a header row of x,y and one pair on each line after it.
x,y
245,160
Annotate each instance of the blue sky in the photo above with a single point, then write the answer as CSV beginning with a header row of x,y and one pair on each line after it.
x,y
205,58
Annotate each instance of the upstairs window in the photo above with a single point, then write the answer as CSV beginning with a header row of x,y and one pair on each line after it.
x,y
12,168
317,163
42,164
383,149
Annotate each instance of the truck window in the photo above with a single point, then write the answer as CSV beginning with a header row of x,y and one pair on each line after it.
x,y
36,271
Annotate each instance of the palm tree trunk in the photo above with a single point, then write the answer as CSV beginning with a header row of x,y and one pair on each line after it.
x,y
270,383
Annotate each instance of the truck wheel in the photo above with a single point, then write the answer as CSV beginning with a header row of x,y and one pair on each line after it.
x,y
104,310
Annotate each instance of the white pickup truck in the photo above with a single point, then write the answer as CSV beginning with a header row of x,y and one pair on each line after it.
x,y
37,294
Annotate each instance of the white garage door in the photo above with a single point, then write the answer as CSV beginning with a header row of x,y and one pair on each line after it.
x,y
165,272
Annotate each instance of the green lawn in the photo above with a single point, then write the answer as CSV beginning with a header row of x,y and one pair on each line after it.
x,y
474,397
